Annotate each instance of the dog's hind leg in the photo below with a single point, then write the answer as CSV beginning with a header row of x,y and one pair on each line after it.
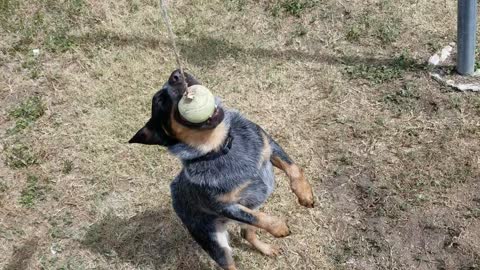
x,y
298,183
213,238
274,225
249,233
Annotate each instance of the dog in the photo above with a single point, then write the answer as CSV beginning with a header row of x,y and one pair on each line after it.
x,y
227,171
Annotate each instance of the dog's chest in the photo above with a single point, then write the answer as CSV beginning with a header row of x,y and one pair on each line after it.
x,y
259,188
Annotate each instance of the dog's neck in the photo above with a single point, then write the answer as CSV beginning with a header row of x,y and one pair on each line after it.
x,y
196,143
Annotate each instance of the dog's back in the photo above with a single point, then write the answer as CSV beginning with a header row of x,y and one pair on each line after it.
x,y
239,173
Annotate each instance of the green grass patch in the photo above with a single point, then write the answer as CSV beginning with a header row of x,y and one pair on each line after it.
x,y
386,28
378,73
49,26
32,193
292,7
59,40
26,113
403,99
354,33
7,8
19,155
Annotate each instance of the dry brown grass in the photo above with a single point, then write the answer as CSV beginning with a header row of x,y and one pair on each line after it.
x,y
393,157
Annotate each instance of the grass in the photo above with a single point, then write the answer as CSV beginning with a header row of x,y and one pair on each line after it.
x,y
32,193
26,113
384,72
292,7
341,85
19,155
67,166
384,29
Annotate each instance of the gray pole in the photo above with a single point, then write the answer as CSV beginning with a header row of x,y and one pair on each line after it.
x,y
466,36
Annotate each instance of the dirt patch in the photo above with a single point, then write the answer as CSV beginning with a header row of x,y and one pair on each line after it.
x,y
384,231
22,255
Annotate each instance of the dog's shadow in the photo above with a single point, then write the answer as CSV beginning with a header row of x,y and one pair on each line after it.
x,y
154,238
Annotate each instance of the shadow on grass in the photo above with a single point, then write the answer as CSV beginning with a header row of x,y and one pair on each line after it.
x,y
105,38
206,51
153,238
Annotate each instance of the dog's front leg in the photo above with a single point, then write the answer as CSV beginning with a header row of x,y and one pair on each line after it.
x,y
274,225
298,183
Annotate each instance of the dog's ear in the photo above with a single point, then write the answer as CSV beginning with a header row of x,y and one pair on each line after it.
x,y
149,135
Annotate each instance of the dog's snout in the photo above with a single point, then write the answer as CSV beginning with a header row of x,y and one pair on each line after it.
x,y
175,78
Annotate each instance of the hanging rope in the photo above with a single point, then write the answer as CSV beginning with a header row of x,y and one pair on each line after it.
x,y
168,23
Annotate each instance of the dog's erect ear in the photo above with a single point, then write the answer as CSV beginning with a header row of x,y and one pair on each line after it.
x,y
148,135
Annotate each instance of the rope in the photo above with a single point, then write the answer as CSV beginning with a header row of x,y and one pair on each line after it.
x,y
168,23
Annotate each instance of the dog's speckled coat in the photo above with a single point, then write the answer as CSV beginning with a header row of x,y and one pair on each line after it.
x,y
227,172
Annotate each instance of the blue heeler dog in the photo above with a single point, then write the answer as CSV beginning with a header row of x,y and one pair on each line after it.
x,y
227,172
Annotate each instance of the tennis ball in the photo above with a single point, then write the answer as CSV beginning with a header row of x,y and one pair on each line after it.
x,y
199,107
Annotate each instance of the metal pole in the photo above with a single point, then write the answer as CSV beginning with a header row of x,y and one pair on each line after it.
x,y
466,36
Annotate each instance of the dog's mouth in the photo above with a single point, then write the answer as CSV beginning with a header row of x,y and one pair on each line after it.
x,y
214,120
215,115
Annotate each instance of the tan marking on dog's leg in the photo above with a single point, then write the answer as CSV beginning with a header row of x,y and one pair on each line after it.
x,y
266,150
298,183
234,195
274,225
249,234
203,140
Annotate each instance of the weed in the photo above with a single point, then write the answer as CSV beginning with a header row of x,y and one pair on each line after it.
x,y
456,102
384,72
7,9
67,166
19,155
59,40
300,31
32,193
388,31
294,7
276,10
403,99
354,33
3,186
26,113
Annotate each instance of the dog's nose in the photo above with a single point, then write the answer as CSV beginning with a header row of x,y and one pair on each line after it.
x,y
175,78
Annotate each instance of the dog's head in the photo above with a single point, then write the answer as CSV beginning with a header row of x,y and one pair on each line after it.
x,y
166,125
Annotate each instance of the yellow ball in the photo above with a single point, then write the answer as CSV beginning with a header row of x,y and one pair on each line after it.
x,y
198,108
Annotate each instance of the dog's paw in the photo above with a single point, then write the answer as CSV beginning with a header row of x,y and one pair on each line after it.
x,y
279,228
307,201
304,192
271,251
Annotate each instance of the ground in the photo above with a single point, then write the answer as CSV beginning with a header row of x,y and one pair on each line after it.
x,y
394,158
